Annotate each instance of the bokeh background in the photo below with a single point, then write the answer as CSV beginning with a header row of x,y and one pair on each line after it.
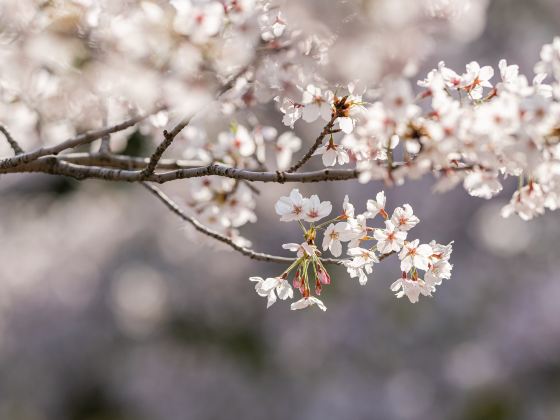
x,y
109,311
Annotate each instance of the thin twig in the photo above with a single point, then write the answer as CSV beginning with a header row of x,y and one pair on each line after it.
x,y
258,256
105,146
168,137
13,143
326,131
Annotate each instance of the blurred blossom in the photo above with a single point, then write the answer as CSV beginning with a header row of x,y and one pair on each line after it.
x,y
410,394
502,237
472,365
139,296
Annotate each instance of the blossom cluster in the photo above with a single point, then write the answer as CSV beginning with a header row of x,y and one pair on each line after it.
x,y
365,246
75,65
463,127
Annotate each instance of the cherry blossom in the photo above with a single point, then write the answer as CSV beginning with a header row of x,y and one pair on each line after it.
x,y
238,141
377,206
271,288
308,301
286,145
303,249
482,184
411,288
477,78
403,218
332,153
347,209
389,239
291,207
361,264
316,104
527,202
415,255
334,235
199,22
315,209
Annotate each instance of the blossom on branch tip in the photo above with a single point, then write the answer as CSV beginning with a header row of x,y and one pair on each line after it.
x,y
306,302
332,153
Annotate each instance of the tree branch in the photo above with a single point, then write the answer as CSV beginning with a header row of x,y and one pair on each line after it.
x,y
169,136
13,143
81,139
326,131
57,166
126,162
258,256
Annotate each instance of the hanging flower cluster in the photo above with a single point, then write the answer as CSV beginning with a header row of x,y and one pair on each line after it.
x,y
365,246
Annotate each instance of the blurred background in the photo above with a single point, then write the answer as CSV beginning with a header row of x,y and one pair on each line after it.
x,y
109,311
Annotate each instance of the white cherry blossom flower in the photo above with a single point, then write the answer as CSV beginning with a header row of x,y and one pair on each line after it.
x,y
271,288
508,73
273,25
334,235
292,112
314,209
303,249
358,225
316,104
482,184
200,22
389,239
361,264
291,208
403,218
450,77
527,203
377,206
306,302
238,141
477,78
410,288
286,144
346,124
414,255
332,153
347,209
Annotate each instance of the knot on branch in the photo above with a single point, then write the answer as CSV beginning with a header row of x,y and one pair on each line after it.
x,y
281,177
